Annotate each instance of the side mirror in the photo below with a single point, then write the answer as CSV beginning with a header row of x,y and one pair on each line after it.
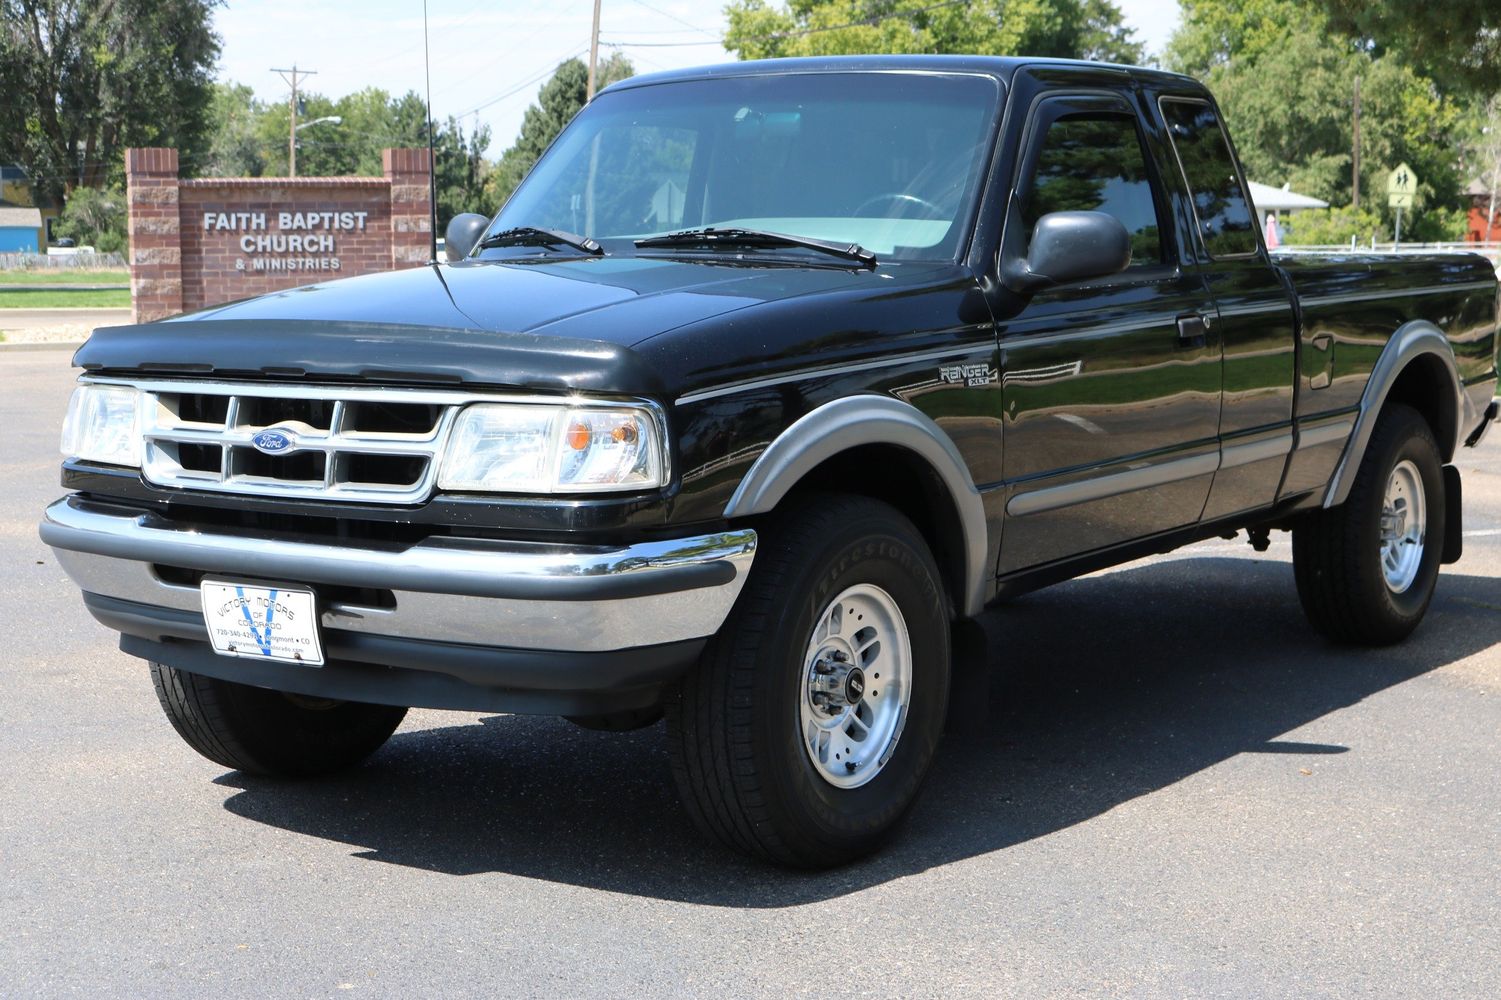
x,y
1072,246
462,234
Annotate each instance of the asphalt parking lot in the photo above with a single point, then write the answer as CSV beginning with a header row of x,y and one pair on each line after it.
x,y
1182,792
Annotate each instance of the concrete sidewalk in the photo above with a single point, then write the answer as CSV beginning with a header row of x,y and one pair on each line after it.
x,y
22,327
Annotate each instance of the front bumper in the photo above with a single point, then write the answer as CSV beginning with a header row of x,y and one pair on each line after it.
x,y
494,625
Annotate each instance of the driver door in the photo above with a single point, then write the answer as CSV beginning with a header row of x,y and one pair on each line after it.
x,y
1110,386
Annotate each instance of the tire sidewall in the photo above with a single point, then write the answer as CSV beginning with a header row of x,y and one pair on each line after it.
x,y
1419,448
868,551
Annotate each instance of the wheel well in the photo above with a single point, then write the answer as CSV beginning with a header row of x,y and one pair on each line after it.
x,y
902,478
1425,386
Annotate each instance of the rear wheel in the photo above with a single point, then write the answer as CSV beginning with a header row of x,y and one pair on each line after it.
x,y
1366,570
271,733
805,732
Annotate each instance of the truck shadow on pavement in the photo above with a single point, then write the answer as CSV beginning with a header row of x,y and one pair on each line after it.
x,y
1107,688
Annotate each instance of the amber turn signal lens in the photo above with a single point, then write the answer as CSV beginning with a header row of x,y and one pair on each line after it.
x,y
578,436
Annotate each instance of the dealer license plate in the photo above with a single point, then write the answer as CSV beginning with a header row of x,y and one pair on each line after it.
x,y
265,623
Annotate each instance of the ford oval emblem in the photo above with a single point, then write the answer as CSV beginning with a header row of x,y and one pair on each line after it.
x,y
273,442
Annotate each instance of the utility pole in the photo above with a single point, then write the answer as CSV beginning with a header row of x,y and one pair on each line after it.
x,y
1355,157
593,53
292,135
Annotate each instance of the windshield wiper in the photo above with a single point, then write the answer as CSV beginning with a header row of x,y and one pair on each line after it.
x,y
533,236
710,238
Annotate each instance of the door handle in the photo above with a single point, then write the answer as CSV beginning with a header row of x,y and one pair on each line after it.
x,y
1193,331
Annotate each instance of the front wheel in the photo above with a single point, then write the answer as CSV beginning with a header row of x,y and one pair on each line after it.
x,y
1366,570
264,732
805,732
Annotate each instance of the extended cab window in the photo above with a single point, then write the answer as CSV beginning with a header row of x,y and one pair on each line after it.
x,y
1094,162
1209,170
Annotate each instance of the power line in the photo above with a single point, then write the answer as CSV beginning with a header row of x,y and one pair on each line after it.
x,y
560,11
672,17
518,88
662,45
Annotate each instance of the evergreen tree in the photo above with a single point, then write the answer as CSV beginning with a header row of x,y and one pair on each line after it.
x,y
560,99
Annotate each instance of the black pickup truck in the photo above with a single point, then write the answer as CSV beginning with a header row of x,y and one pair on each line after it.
x,y
766,381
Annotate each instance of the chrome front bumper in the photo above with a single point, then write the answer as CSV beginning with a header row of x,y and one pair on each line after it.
x,y
475,592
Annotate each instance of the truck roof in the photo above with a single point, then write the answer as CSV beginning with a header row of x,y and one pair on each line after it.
x,y
1002,68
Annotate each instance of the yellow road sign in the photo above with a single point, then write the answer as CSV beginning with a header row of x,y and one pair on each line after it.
x,y
1402,181
1399,200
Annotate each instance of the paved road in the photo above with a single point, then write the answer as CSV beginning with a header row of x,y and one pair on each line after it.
x,y
1184,793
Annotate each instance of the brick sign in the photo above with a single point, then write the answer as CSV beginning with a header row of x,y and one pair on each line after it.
x,y
200,242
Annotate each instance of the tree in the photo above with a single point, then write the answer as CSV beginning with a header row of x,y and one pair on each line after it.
x,y
561,97
1072,29
1286,79
1213,32
95,217
84,79
1335,226
1457,44
462,170
249,139
234,143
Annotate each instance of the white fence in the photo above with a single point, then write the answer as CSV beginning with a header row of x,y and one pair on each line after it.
x,y
60,261
1488,250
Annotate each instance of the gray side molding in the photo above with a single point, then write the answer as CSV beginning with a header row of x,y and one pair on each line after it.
x,y
864,420
1412,340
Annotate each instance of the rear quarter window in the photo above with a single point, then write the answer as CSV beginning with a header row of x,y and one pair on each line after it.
x,y
1224,214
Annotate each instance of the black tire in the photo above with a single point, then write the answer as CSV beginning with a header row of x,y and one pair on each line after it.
x,y
263,732
1337,553
733,722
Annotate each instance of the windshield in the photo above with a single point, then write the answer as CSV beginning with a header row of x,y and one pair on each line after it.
x,y
886,160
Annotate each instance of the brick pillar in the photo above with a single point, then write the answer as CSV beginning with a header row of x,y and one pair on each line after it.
x,y
155,233
409,172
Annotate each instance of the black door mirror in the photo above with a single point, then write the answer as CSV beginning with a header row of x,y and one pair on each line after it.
x,y
462,234
1072,246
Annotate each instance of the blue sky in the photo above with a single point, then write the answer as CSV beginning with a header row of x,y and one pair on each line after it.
x,y
489,57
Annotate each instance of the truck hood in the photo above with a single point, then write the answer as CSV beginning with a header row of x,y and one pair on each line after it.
x,y
566,325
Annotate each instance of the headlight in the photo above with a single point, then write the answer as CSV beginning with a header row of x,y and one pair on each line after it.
x,y
103,425
523,448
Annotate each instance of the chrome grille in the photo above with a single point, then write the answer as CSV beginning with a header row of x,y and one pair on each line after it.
x,y
348,443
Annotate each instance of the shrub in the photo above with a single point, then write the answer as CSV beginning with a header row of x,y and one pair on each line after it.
x,y
95,217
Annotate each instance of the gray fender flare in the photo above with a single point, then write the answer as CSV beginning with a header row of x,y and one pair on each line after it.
x,y
864,420
1411,341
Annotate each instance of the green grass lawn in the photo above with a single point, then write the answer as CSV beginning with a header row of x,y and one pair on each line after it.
x,y
63,277
65,298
